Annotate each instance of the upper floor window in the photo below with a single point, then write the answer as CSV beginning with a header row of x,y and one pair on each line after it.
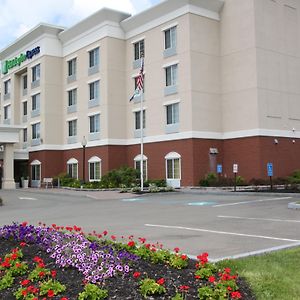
x,y
7,85
36,73
72,97
94,90
25,108
72,67
36,130
170,38
171,75
94,57
139,50
138,119
72,128
25,135
35,102
172,113
94,123
7,112
25,82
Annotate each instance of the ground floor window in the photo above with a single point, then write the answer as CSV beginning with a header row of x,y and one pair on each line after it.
x,y
36,170
72,168
94,168
137,165
173,165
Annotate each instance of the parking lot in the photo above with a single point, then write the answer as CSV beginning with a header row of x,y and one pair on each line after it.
x,y
224,224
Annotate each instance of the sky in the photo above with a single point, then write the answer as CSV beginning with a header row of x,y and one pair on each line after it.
x,y
17,17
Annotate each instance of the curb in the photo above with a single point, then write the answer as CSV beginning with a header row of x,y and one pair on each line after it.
x,y
293,205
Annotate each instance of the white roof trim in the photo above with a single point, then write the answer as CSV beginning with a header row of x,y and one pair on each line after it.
x,y
172,155
138,157
94,159
35,162
72,161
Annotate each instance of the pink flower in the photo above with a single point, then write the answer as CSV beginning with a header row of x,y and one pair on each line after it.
x,y
176,249
211,279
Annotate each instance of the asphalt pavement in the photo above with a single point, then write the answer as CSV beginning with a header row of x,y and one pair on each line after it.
x,y
222,223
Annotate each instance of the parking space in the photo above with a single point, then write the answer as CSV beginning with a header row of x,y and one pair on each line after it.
x,y
224,224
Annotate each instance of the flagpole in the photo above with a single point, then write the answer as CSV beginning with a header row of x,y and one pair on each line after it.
x,y
142,141
142,126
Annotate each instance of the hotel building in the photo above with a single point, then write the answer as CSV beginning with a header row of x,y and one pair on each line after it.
x,y
222,87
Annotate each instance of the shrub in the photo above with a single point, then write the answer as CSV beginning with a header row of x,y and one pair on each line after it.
x,y
210,179
259,181
124,176
295,177
155,182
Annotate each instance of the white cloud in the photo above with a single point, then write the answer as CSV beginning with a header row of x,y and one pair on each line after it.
x,y
17,17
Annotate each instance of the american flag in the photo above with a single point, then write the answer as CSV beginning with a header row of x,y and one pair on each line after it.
x,y
140,78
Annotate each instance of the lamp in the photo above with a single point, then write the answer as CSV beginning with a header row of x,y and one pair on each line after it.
x,y
275,141
83,144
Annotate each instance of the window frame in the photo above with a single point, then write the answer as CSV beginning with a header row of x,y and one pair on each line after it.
x,y
36,73
72,128
173,79
172,115
36,131
94,123
72,165
137,118
72,97
173,39
93,162
72,67
94,57
139,49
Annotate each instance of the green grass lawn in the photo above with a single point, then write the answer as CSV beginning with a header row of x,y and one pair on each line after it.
x,y
271,276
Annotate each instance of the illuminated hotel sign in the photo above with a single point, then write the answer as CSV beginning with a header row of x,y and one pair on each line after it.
x,y
18,60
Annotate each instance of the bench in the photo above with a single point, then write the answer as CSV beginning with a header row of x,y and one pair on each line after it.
x,y
47,182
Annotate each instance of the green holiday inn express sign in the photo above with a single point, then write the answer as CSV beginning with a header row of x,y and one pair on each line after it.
x,y
18,60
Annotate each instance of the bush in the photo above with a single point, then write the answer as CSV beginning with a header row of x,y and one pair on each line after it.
x,y
295,177
210,179
259,181
125,177
67,180
155,182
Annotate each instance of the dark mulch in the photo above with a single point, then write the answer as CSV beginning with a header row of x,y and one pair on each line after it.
x,y
118,288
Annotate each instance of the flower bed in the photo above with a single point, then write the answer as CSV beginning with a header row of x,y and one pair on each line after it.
x,y
63,263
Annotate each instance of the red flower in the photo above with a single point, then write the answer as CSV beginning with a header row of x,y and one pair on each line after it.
x,y
184,257
229,288
227,270
176,249
23,244
64,298
41,265
197,276
24,223
24,293
104,232
41,274
236,295
18,265
25,282
37,259
142,240
131,244
50,293
136,274
53,273
113,237
184,288
211,279
161,281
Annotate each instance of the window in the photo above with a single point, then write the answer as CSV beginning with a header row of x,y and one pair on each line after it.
x,y
139,50
94,168
25,135
94,57
171,75
36,73
7,84
137,165
36,131
24,82
35,172
35,102
72,67
173,165
7,112
72,97
170,38
25,108
72,128
94,123
72,168
138,120
172,113
94,90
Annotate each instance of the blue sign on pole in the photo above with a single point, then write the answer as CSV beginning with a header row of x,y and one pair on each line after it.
x,y
270,169
219,169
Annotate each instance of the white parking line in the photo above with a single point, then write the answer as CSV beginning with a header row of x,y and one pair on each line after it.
x,y
252,201
224,232
260,219
27,198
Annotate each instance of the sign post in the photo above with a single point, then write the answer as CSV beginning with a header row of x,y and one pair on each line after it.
x,y
235,170
219,171
270,173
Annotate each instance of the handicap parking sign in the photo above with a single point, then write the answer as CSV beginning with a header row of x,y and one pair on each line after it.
x,y
219,169
270,169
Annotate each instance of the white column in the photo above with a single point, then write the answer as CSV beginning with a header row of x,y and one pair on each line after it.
x,y
8,181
